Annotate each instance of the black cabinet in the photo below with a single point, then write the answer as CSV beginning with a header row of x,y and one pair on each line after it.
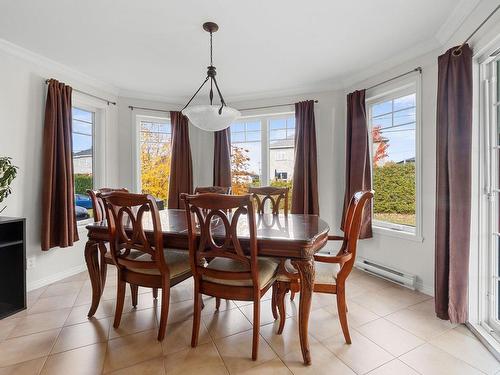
x,y
12,265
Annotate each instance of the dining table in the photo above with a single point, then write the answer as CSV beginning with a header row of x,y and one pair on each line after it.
x,y
293,237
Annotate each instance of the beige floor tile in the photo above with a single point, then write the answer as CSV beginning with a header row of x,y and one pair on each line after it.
x,y
32,367
78,335
209,308
236,351
181,293
25,348
404,295
178,336
82,361
131,349
420,323
204,359
40,322
151,367
395,367
363,355
380,303
323,362
288,341
225,323
390,337
133,322
266,314
84,297
62,289
33,295
357,314
6,327
78,314
81,276
178,312
323,324
44,304
430,360
273,367
468,349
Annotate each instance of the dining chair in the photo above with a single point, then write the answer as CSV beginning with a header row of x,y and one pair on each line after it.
x,y
271,194
156,267
331,270
233,273
212,189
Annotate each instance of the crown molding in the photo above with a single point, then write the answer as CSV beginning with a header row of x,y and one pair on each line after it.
x,y
456,18
55,67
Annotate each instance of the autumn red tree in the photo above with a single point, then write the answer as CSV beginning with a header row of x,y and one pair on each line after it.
x,y
381,143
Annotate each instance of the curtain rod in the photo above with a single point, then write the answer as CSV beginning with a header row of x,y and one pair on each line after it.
x,y
131,107
417,69
244,109
86,93
270,106
458,50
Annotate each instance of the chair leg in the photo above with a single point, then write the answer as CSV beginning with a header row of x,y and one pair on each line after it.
x,y
165,303
282,288
155,293
134,290
274,306
256,327
196,317
103,265
120,300
217,303
342,310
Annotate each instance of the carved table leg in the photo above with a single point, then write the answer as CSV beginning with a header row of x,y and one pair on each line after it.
x,y
92,260
307,273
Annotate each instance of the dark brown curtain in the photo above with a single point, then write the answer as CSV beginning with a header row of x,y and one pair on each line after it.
x,y
181,165
58,195
453,183
305,172
358,174
222,158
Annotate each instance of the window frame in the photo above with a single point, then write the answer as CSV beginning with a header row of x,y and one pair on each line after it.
x,y
404,86
137,144
265,139
99,130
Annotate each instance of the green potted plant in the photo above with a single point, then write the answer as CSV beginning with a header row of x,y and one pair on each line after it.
x,y
7,174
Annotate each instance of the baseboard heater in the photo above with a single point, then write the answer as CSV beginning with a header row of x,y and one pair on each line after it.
x,y
399,277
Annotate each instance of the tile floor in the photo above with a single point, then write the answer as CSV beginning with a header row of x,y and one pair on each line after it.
x,y
394,331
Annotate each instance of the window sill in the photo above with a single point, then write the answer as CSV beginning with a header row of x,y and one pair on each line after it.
x,y
487,339
397,234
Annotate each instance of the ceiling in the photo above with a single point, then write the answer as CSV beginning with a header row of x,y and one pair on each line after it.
x,y
158,48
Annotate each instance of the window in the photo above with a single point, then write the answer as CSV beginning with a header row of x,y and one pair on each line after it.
x,y
83,124
262,151
393,124
155,136
490,272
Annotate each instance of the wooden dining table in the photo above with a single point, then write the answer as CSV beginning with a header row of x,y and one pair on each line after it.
x,y
294,237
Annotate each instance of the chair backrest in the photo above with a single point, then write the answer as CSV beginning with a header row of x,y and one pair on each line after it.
x,y
212,189
126,214
272,194
97,204
221,214
352,227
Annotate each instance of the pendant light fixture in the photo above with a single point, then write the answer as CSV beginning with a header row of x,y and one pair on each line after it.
x,y
210,117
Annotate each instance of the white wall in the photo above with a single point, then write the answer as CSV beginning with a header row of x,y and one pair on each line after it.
x,y
22,107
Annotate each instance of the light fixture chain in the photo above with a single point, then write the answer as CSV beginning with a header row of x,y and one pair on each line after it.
x,y
211,50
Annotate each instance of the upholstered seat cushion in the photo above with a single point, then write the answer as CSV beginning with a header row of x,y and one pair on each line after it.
x,y
326,273
177,260
266,271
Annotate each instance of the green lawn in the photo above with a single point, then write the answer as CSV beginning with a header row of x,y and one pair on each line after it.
x,y
405,219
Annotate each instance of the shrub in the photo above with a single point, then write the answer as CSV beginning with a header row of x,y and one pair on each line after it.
x,y
394,186
82,183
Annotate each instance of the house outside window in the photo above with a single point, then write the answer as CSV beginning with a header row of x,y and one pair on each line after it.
x,y
262,151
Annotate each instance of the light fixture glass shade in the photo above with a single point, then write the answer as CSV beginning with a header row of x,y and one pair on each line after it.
x,y
206,117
